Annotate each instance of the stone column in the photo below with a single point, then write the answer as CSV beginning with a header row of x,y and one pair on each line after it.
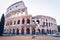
x,y
19,29
30,30
26,13
30,20
25,30
21,18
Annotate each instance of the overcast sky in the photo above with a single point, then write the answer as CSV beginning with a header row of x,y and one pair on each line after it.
x,y
36,7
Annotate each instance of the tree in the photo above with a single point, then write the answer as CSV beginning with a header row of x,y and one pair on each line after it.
x,y
2,24
58,28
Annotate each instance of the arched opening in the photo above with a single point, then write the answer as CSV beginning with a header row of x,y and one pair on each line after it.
x,y
13,31
22,30
37,21
39,30
43,31
33,21
10,22
33,30
27,31
14,22
10,31
7,23
43,24
18,22
23,21
46,20
28,21
50,31
49,24
17,31
47,31
46,24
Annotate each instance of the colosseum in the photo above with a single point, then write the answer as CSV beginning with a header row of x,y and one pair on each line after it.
x,y
18,21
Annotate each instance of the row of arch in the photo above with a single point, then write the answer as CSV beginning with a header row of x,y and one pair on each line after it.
x,y
18,22
28,22
33,31
44,23
22,31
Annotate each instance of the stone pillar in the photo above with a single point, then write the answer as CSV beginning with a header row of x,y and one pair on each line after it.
x,y
19,29
24,30
26,13
21,18
30,20
15,31
30,30
11,30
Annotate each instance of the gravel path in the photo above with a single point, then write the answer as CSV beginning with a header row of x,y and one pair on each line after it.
x,y
28,38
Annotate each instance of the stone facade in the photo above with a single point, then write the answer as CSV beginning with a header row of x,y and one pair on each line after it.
x,y
17,20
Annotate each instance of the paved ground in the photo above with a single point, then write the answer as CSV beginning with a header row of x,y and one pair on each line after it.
x,y
28,38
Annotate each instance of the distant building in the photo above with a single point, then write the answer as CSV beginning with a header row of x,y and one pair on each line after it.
x,y
17,20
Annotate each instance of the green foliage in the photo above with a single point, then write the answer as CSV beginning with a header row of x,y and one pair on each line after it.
x,y
2,24
58,28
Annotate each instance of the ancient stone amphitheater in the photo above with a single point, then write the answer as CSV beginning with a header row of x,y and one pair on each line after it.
x,y
18,21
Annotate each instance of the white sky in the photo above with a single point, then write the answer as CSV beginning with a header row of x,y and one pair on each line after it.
x,y
36,7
